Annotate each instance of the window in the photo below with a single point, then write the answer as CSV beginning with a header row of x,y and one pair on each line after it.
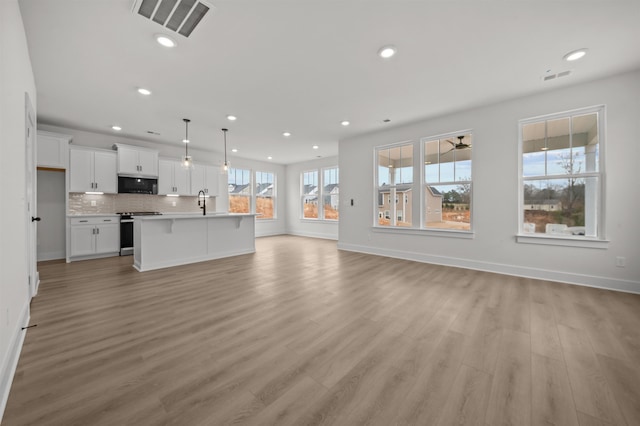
x,y
265,195
395,179
330,193
310,194
561,183
239,190
447,182
327,190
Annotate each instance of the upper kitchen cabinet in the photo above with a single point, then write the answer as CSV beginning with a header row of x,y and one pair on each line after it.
x,y
136,161
92,170
173,178
204,178
53,150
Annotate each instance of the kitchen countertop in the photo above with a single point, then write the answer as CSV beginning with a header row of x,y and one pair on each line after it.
x,y
193,216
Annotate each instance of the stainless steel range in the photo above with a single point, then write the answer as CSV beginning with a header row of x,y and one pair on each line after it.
x,y
126,230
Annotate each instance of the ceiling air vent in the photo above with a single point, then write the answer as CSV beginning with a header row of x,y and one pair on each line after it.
x,y
554,76
181,16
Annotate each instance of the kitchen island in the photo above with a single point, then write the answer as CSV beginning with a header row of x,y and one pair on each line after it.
x,y
179,239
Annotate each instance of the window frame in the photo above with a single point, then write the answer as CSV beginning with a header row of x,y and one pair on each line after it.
x,y
597,241
392,209
320,193
418,226
249,196
424,183
273,197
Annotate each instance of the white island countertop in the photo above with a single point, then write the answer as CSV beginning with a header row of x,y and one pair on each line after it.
x,y
162,241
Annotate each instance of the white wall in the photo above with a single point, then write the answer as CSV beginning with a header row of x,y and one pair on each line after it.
x,y
16,78
263,227
495,196
51,208
308,227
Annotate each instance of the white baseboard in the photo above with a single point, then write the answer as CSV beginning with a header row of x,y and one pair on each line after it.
x,y
51,255
11,358
606,283
269,233
314,235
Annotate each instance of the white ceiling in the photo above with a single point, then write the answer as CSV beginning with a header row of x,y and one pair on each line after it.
x,y
303,66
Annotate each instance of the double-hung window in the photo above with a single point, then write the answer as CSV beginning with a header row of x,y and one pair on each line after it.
x,y
330,193
265,195
320,194
310,194
239,190
561,187
395,185
447,182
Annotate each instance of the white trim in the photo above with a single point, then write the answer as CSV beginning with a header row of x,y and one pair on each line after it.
x,y
555,240
313,235
178,262
11,358
601,111
627,286
448,233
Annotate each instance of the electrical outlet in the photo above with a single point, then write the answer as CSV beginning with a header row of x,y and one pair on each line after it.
x,y
93,203
173,203
621,261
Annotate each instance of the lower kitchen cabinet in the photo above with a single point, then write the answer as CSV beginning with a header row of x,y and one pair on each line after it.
x,y
91,236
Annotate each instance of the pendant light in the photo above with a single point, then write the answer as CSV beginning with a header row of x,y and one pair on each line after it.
x,y
187,162
226,164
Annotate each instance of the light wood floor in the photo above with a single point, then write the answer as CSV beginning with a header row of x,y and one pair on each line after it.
x,y
300,333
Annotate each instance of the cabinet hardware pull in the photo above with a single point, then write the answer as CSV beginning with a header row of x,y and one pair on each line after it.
x,y
84,221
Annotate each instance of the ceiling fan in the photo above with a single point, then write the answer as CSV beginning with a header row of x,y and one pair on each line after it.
x,y
459,145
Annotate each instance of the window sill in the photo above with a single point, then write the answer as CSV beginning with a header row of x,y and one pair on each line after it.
x,y
318,220
447,233
560,240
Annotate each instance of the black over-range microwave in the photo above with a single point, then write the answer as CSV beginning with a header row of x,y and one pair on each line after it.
x,y
134,185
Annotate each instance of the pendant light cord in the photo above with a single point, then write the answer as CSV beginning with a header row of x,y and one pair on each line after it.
x,y
225,146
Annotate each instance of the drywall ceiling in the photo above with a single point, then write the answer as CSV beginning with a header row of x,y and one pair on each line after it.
x,y
303,66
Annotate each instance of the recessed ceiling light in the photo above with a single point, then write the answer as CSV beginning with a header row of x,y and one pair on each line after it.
x,y
269,158
117,128
286,134
234,150
232,117
575,55
387,52
345,123
166,41
185,140
144,91
315,147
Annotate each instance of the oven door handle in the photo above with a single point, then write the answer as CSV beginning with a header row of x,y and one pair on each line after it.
x,y
126,220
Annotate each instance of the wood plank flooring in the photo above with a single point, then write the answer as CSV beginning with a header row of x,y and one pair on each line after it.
x,y
300,333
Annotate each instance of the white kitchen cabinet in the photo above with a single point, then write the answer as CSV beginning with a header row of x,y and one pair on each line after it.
x,y
97,235
92,171
136,161
52,150
172,178
204,177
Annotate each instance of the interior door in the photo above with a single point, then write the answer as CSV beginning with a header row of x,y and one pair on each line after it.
x,y
30,197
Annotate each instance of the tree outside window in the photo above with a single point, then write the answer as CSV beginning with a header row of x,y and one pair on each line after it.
x,y
561,174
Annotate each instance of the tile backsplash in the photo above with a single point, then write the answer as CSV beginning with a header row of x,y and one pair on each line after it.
x,y
80,203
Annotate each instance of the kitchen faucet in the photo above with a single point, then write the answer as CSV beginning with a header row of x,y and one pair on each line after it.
x,y
204,202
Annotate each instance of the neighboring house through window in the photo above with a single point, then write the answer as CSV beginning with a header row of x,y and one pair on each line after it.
x,y
395,181
447,181
322,185
239,190
265,195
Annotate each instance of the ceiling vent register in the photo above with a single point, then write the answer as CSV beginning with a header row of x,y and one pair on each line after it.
x,y
558,75
181,16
